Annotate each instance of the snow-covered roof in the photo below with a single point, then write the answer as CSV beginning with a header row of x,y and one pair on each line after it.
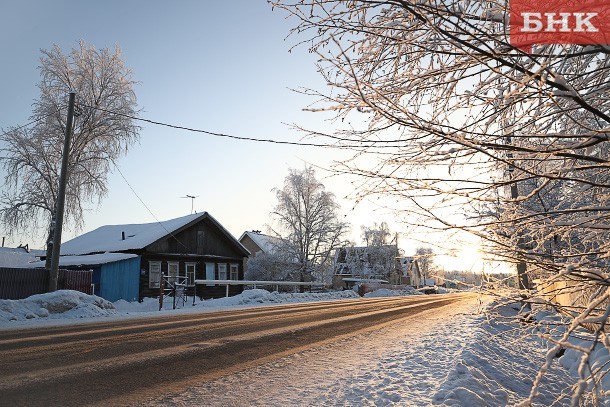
x,y
137,236
16,257
89,260
267,243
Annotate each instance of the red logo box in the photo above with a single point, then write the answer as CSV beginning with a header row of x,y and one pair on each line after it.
x,y
559,22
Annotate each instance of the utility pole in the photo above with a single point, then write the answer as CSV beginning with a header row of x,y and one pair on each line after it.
x,y
61,197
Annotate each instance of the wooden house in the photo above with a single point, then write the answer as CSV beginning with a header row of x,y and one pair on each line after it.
x,y
191,247
257,242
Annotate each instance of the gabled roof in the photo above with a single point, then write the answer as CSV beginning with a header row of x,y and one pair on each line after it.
x,y
268,244
137,236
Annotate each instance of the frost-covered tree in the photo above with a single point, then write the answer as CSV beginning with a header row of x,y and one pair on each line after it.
x,y
425,261
467,132
378,258
376,235
103,131
306,216
270,267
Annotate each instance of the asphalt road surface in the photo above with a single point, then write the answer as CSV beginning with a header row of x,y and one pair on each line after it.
x,y
124,362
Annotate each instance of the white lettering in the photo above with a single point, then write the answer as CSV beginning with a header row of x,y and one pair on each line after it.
x,y
562,21
532,22
580,22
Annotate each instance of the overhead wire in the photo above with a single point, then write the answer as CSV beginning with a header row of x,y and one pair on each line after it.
x,y
24,125
146,206
361,143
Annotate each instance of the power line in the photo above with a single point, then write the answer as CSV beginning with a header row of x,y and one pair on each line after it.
x,y
146,206
23,126
363,143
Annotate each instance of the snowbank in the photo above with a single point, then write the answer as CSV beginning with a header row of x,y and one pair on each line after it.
x,y
62,304
499,365
384,292
69,305
252,297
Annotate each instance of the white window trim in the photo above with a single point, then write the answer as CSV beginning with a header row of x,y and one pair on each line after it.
x,y
154,276
234,271
173,278
190,276
222,271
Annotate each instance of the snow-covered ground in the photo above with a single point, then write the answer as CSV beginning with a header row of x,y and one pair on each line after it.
x,y
457,357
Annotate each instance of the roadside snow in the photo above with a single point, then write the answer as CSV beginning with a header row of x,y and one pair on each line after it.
x,y
384,292
66,306
62,304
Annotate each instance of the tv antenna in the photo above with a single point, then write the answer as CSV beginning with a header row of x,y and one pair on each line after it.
x,y
192,198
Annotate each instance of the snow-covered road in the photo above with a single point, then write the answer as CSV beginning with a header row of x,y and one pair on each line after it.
x,y
447,356
455,356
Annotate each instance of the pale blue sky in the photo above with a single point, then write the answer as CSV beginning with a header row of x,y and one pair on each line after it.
x,y
215,65
219,66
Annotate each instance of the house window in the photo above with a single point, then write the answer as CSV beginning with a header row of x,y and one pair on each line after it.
x,y
154,274
222,271
190,273
234,271
173,268
200,236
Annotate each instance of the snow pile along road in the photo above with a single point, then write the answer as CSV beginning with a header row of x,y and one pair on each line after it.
x,y
249,298
384,292
67,305
62,304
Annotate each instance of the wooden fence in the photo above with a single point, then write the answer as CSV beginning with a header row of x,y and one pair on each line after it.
x,y
17,283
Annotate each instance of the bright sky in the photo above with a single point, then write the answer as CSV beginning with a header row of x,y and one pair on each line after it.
x,y
219,66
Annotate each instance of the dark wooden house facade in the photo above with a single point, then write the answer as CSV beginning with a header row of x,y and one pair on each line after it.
x,y
184,249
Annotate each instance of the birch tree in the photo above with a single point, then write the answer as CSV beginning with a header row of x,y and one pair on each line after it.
x,y
103,131
306,217
469,133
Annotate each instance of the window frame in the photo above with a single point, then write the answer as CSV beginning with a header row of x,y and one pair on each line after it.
x,y
154,282
173,278
222,270
234,271
190,275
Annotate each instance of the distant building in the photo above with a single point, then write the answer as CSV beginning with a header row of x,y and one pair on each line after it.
x,y
257,242
369,264
410,273
19,257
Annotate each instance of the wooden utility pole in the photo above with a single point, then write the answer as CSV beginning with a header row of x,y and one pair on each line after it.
x,y
61,197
